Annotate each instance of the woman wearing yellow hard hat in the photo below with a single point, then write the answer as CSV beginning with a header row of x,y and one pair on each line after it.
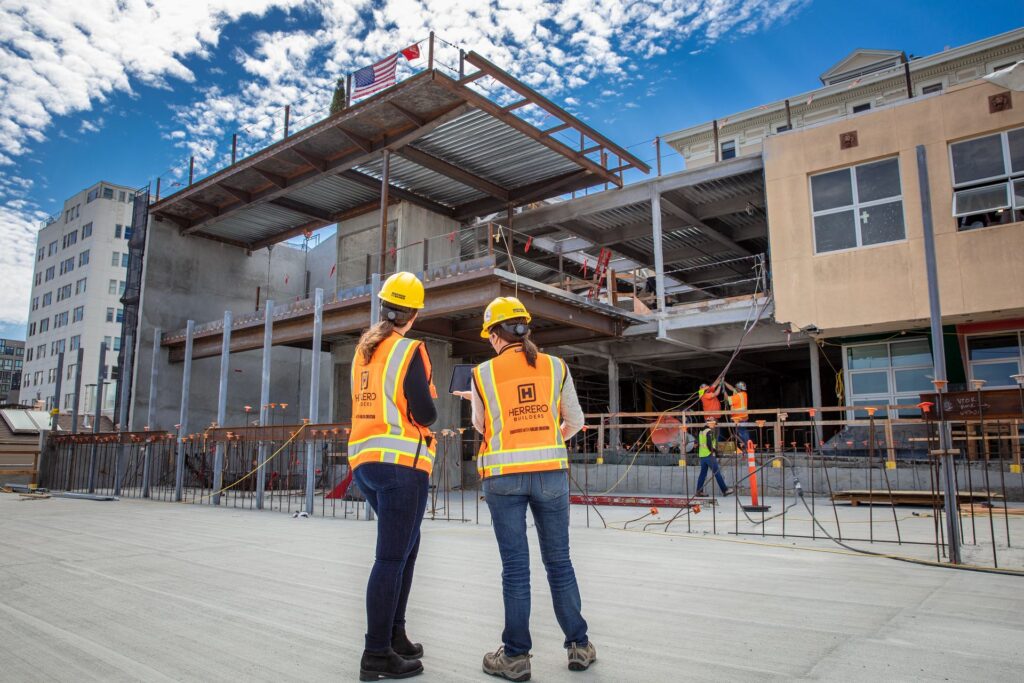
x,y
525,405
391,452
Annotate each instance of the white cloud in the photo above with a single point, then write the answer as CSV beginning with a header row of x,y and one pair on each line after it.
x,y
18,227
91,126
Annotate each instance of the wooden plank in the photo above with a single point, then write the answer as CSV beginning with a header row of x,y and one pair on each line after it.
x,y
923,498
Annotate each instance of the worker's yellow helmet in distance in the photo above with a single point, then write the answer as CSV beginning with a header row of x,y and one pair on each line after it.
x,y
501,309
402,289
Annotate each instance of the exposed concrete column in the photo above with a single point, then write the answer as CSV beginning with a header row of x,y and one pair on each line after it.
x,y
186,381
659,253
78,390
314,393
812,347
268,338
122,417
222,405
614,406
150,411
98,415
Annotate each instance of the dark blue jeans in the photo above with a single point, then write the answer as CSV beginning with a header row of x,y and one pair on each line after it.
x,y
742,436
710,461
398,495
547,496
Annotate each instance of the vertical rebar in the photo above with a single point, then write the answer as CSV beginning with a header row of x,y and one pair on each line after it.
x,y
314,393
222,405
98,414
385,184
150,414
186,379
122,418
265,416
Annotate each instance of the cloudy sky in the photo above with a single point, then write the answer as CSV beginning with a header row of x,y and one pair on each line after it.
x,y
126,90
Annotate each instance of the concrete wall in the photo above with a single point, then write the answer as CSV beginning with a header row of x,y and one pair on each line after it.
x,y
193,278
883,286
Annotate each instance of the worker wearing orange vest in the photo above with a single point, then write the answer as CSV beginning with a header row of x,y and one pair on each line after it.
x,y
525,405
738,405
391,452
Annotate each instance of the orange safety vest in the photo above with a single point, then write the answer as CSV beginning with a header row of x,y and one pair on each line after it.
x,y
382,429
738,402
523,409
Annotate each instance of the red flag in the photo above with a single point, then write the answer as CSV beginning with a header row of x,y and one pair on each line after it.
x,y
331,274
412,52
529,241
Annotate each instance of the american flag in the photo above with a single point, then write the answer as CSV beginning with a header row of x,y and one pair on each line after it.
x,y
371,79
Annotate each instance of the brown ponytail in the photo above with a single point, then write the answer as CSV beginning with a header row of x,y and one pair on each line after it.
x,y
530,349
372,338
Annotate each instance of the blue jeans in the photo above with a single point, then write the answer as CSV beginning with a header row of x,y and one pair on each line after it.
x,y
742,436
710,461
547,495
398,495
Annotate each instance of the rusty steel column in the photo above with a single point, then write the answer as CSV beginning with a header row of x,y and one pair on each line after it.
x,y
430,52
234,147
657,151
287,117
191,168
714,140
789,116
384,184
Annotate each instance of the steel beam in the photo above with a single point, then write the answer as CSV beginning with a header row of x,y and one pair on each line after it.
x,y
222,405
147,456
370,182
684,213
314,394
465,177
268,340
186,380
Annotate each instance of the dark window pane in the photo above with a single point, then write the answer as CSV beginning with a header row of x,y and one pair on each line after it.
x,y
1016,140
881,223
914,380
870,382
834,231
989,348
981,200
878,180
863,414
996,374
831,190
977,159
872,356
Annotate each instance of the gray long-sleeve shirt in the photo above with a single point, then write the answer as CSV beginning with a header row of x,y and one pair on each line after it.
x,y
571,413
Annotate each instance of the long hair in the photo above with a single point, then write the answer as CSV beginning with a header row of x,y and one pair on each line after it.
x,y
529,348
373,336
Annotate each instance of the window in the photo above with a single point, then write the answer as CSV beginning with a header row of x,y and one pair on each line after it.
x,y
783,128
110,315
1000,67
120,196
124,260
988,179
50,274
106,340
120,287
728,149
78,315
60,319
120,315
56,347
44,325
28,356
117,343
39,278
47,299
92,195
31,332
127,232
112,287
71,367
67,401
108,193
41,351
858,108
80,285
75,342
64,292
35,303
115,258
931,88
51,376
70,239
52,249
996,359
67,265
888,373
117,231
857,206
38,377
87,230
41,254
83,258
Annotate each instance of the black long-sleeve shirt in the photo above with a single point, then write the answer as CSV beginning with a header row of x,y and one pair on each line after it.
x,y
417,392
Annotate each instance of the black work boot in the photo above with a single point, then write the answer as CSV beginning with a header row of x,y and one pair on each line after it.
x,y
377,665
401,644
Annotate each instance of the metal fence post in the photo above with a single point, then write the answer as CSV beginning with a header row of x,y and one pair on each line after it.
x,y
122,417
222,406
98,414
147,455
268,337
186,379
314,394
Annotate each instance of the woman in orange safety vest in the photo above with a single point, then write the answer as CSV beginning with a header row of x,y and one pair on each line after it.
x,y
525,405
391,453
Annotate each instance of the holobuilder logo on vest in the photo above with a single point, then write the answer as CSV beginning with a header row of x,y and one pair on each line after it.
x,y
364,380
527,393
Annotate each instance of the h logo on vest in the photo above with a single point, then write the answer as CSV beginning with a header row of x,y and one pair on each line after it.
x,y
527,393
364,380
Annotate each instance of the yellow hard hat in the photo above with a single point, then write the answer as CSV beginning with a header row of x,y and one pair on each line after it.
x,y
501,309
402,289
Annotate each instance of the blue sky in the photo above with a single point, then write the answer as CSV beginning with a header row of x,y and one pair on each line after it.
x,y
125,92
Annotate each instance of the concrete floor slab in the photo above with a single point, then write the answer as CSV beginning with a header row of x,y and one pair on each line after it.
x,y
139,590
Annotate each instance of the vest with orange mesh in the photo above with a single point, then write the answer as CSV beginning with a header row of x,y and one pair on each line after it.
x,y
738,403
522,406
382,430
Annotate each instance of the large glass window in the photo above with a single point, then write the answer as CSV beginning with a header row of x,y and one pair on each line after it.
x,y
996,358
988,179
888,373
857,206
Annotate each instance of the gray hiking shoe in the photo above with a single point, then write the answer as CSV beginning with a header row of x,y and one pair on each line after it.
x,y
581,656
513,668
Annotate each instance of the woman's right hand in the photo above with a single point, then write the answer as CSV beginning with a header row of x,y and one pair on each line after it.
x,y
463,394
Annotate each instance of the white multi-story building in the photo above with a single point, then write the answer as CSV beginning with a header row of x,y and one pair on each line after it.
x,y
80,272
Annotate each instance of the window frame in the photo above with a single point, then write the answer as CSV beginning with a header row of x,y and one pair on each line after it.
x,y
735,149
1007,179
892,396
995,361
856,206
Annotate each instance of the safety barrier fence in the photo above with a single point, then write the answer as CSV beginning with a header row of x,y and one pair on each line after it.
x,y
871,480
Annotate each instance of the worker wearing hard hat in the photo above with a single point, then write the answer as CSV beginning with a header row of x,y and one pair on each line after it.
x,y
391,452
707,451
525,405
738,405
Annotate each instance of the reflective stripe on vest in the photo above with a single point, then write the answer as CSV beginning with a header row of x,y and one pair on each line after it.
x,y
386,435
703,449
535,444
738,403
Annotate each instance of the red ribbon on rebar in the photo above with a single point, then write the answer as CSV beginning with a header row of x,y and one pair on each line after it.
x,y
529,241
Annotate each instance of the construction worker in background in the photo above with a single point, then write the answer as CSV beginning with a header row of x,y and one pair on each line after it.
x,y
525,405
707,450
709,400
391,452
738,406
